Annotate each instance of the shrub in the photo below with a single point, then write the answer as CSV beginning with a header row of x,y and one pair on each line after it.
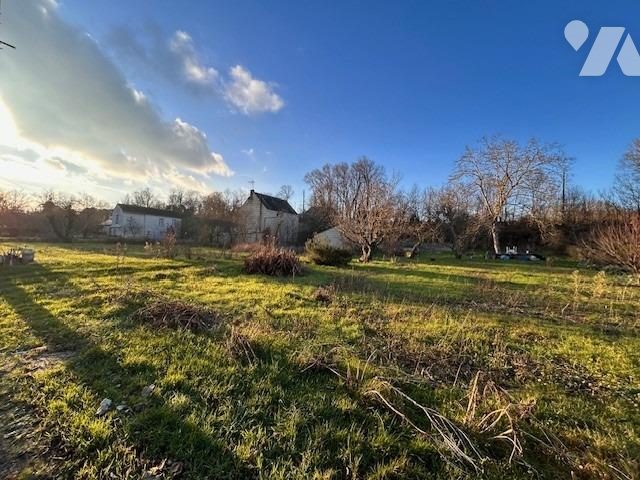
x,y
324,294
322,254
166,248
616,244
273,261
168,244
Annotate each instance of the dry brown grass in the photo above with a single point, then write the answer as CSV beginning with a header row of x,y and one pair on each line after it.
x,y
273,261
324,294
239,346
166,313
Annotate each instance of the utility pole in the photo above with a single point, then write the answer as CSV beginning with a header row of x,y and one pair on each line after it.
x,y
564,187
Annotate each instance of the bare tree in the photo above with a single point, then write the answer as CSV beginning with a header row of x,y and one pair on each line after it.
x,y
142,198
363,201
324,184
511,180
184,202
419,226
452,209
92,212
616,243
627,183
220,218
13,201
60,211
286,192
132,227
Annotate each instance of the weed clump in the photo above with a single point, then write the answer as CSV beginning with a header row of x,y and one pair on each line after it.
x,y
273,261
166,248
324,294
239,347
322,254
165,313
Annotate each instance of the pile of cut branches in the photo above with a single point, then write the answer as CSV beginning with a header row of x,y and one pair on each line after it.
x,y
167,313
273,261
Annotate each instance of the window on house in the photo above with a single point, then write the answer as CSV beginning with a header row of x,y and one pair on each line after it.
x,y
161,222
117,219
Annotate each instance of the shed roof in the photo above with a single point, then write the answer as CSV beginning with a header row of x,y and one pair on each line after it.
x,y
158,212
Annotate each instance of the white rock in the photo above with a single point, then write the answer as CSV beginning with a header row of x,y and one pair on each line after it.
x,y
148,390
105,406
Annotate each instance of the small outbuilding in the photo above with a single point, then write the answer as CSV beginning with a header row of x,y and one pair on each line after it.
x,y
135,222
264,216
333,237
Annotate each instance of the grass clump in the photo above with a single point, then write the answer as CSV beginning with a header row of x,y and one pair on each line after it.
x,y
276,262
166,313
325,294
322,254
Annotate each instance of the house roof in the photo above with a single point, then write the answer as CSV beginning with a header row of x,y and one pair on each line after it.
x,y
274,203
158,212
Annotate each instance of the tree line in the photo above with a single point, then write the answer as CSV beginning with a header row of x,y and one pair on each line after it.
x,y
498,190
496,185
209,219
60,216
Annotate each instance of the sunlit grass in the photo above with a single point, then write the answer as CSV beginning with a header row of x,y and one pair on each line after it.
x,y
555,349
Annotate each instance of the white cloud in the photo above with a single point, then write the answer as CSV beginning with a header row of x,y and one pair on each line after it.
x,y
250,95
181,44
138,96
178,60
62,98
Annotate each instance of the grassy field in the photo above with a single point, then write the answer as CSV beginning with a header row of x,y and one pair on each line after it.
x,y
415,369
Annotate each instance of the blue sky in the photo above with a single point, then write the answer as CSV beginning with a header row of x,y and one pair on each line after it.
x,y
408,84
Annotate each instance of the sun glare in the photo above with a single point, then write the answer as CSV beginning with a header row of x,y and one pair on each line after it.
x,y
8,129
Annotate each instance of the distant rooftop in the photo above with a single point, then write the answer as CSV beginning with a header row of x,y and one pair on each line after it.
x,y
274,203
158,212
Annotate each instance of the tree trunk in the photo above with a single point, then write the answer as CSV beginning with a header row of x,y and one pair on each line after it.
x,y
414,250
496,238
366,253
456,246
457,249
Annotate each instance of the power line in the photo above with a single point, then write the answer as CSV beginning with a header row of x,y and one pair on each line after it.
x,y
1,42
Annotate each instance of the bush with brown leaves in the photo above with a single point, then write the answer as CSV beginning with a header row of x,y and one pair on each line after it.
x,y
273,261
616,244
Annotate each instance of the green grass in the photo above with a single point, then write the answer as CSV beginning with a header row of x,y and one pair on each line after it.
x,y
289,387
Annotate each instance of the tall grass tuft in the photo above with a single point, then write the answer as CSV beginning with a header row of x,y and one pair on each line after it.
x,y
273,261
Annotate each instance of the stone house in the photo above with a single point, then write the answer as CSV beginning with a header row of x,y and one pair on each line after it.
x,y
134,222
264,216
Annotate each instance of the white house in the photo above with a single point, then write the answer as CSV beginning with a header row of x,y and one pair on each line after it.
x,y
264,215
132,221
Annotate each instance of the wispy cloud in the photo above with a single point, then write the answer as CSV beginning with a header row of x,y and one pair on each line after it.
x,y
177,60
181,45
